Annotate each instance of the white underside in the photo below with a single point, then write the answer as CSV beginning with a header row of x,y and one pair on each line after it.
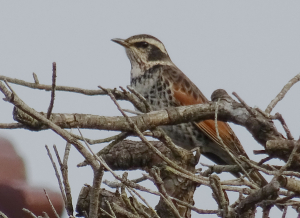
x,y
135,71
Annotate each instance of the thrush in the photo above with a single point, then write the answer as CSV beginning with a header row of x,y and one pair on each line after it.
x,y
163,85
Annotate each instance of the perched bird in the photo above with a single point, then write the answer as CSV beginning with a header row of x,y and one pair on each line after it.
x,y
163,85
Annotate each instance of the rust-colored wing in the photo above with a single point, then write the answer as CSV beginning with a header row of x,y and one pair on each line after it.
x,y
187,93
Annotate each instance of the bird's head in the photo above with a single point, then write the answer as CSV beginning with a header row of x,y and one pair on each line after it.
x,y
144,51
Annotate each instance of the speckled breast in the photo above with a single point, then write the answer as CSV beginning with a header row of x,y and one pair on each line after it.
x,y
157,91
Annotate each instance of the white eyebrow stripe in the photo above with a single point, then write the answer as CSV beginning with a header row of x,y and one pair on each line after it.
x,y
152,42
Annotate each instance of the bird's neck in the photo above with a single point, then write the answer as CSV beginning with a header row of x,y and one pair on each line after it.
x,y
139,68
141,80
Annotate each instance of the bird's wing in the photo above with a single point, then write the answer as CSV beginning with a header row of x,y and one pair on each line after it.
x,y
187,93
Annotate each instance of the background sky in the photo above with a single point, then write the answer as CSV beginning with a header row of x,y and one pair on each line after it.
x,y
252,48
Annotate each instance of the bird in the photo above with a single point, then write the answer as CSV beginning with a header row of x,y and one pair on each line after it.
x,y
164,85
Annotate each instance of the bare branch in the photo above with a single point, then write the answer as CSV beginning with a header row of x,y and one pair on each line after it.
x,y
284,212
35,77
107,213
282,93
49,87
111,210
99,141
64,171
2,215
52,90
226,148
29,213
279,117
219,194
143,138
160,185
142,99
144,200
120,138
12,126
118,184
52,207
249,109
45,215
98,174
57,175
257,196
14,99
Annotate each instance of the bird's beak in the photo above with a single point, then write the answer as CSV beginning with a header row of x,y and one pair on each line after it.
x,y
121,42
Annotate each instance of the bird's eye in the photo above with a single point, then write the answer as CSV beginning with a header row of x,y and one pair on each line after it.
x,y
141,44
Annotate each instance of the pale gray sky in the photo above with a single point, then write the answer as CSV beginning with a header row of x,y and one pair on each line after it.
x,y
249,47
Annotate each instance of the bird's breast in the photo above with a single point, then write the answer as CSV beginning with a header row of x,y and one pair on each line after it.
x,y
155,89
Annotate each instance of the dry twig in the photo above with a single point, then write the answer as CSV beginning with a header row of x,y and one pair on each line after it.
x,y
52,91
282,93
57,175
52,207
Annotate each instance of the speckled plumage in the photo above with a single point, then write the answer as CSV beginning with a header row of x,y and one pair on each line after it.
x,y
163,85
157,85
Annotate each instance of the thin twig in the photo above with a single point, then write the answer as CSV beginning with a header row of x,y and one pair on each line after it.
x,y
144,139
107,213
133,112
2,215
197,210
146,103
52,91
266,211
288,163
99,141
249,109
98,175
284,212
120,137
269,172
225,147
137,205
29,213
160,186
219,194
285,127
36,80
144,200
110,208
58,88
15,100
118,184
45,215
57,175
262,112
64,171
12,126
125,198
52,207
262,161
282,93
126,182
277,201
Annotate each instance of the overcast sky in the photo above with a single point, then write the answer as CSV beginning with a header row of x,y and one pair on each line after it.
x,y
250,47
